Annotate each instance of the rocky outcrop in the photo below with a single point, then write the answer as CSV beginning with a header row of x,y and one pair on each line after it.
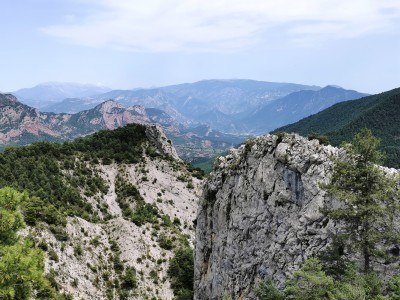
x,y
260,214
156,135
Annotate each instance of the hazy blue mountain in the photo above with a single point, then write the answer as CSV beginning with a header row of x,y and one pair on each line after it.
x,y
217,103
234,106
296,106
51,92
69,105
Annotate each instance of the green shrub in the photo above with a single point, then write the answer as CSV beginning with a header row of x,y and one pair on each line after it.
x,y
165,243
129,280
117,263
184,294
280,135
114,246
95,241
181,271
145,213
250,142
323,139
78,251
53,255
43,245
266,290
59,232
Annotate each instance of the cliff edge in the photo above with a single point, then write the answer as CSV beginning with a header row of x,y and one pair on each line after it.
x,y
260,214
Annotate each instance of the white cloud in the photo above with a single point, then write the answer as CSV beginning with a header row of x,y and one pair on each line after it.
x,y
220,25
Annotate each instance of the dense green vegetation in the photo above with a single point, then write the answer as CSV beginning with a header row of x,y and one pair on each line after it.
x,y
205,164
128,194
21,265
342,121
312,282
55,174
181,271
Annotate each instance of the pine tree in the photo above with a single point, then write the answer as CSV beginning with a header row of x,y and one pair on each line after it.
x,y
368,199
310,282
21,265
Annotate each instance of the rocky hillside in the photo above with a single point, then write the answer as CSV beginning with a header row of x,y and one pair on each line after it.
x,y
259,215
22,124
109,210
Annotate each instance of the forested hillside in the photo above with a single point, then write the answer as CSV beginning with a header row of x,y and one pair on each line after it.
x,y
339,123
108,210
57,173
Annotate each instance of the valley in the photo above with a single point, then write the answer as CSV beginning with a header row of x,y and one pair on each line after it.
x,y
119,213
200,150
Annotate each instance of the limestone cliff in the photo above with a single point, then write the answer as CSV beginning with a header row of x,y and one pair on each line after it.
x,y
156,136
259,214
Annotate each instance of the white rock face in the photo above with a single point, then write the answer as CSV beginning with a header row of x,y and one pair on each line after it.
x,y
156,135
259,215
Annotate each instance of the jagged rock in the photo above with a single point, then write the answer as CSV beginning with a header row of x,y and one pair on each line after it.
x,y
260,215
156,135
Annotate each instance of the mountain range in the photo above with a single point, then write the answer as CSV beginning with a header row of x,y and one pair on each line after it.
x,y
21,124
296,106
114,212
231,106
51,92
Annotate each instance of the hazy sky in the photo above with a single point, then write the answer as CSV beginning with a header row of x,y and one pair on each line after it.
x,y
132,43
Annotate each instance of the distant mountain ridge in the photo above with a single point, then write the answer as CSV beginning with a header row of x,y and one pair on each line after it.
x,y
339,123
44,94
296,106
235,106
221,104
21,124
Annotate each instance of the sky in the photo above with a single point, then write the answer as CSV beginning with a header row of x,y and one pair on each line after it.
x,y
125,44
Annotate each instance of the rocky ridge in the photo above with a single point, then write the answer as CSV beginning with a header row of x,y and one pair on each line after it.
x,y
22,124
260,214
89,260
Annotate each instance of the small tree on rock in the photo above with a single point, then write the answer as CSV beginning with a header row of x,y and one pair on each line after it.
x,y
368,196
